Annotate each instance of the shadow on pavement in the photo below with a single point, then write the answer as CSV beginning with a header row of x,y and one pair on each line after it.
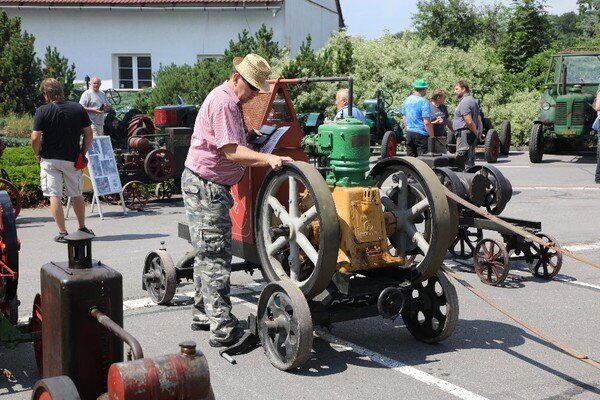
x,y
128,236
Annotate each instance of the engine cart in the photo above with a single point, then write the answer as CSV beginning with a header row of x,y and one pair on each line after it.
x,y
485,186
334,242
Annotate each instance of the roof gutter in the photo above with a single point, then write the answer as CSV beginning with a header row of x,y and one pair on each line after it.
x,y
141,8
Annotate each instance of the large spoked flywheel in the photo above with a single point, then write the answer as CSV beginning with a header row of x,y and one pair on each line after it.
x,y
297,229
412,192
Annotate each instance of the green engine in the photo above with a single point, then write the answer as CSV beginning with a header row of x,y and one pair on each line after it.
x,y
345,148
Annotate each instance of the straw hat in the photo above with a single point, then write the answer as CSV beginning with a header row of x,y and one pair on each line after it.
x,y
254,69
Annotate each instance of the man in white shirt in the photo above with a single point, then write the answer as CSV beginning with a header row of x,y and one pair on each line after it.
x,y
95,102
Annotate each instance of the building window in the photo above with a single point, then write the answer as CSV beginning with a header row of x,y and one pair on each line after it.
x,y
135,72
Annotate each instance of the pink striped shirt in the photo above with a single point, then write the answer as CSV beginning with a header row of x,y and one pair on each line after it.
x,y
218,123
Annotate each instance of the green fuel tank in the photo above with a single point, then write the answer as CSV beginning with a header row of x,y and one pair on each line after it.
x,y
346,143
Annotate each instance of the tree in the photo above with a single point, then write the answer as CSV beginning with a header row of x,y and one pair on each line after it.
x,y
57,67
448,22
566,29
589,12
528,34
492,23
20,70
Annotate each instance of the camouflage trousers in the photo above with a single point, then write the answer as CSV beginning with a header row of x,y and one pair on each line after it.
x,y
207,207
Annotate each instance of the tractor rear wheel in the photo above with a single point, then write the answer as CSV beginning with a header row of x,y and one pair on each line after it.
x,y
492,146
451,142
389,145
297,229
505,136
536,143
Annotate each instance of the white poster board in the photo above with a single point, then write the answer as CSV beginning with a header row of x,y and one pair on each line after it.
x,y
103,167
273,139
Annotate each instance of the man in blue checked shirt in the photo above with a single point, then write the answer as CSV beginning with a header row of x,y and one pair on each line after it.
x,y
417,119
341,103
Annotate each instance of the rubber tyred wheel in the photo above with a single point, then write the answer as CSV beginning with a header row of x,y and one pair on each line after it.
x,y
492,146
55,388
389,145
36,330
491,262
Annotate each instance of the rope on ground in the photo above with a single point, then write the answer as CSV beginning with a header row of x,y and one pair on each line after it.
x,y
566,349
519,231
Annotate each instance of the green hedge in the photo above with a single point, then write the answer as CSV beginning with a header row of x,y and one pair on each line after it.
x,y
24,172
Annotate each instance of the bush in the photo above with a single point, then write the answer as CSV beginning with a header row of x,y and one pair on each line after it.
x,y
24,172
521,109
18,126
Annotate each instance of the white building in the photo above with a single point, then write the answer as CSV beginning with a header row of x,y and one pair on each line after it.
x,y
125,41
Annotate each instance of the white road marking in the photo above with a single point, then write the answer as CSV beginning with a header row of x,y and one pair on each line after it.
x,y
582,246
577,283
512,166
575,188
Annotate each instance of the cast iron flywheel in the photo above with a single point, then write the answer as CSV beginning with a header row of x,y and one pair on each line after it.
x,y
412,192
297,228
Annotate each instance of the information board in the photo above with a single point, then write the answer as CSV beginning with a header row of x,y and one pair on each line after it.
x,y
103,167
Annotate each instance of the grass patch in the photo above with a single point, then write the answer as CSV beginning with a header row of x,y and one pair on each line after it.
x,y
24,172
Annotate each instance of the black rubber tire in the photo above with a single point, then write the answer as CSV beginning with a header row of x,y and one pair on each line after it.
x,y
451,142
329,239
446,323
536,143
505,136
492,146
58,387
389,145
299,316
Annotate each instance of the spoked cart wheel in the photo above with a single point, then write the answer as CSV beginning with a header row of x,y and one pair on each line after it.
x,y
164,190
135,196
412,192
431,309
297,238
389,145
159,277
546,262
464,244
55,388
491,262
285,326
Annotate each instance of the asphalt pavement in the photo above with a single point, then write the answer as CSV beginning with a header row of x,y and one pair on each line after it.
x,y
487,356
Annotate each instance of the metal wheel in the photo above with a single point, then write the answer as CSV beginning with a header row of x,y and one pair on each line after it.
x,y
389,145
298,240
413,193
491,261
431,309
135,195
159,277
464,244
164,190
55,388
450,180
285,326
36,330
113,96
498,191
159,165
546,262
492,146
14,194
505,136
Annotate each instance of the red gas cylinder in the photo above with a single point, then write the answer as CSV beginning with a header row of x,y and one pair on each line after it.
x,y
140,144
182,376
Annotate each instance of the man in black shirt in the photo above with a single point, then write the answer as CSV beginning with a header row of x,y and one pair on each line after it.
x,y
57,129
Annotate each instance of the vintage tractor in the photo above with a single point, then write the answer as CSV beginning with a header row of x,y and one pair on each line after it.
x,y
77,331
334,242
386,132
566,107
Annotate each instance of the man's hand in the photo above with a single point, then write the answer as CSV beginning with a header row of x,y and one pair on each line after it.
x,y
276,162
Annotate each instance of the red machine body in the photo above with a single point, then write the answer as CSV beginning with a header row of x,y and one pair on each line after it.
x,y
165,116
274,108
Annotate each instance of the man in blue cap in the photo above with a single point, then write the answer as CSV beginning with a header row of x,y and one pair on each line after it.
x,y
417,119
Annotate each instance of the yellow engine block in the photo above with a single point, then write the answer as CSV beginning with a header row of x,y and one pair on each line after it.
x,y
363,233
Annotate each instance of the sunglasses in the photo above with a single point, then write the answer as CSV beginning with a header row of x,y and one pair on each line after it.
x,y
254,89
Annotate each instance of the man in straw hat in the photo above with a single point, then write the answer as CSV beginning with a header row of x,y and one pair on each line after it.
x,y
216,160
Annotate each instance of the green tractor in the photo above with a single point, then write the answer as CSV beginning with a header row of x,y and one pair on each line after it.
x,y
566,108
386,132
